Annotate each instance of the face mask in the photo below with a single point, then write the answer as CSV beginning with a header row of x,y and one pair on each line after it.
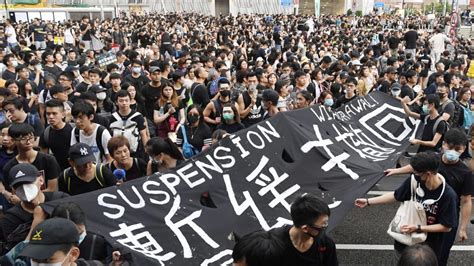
x,y
225,93
418,179
15,63
227,116
63,52
27,192
137,70
306,70
82,237
425,109
34,263
396,93
101,96
451,155
193,118
441,95
328,102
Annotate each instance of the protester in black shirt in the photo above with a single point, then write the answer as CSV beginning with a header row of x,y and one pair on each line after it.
x,y
84,175
137,78
151,92
165,155
119,148
197,132
230,122
56,138
350,93
199,93
306,242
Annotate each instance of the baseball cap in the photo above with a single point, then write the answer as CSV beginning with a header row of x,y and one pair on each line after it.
x,y
343,75
97,88
23,173
81,154
50,236
396,86
154,69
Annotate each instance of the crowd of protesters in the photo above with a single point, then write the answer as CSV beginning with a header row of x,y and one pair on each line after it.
x,y
89,104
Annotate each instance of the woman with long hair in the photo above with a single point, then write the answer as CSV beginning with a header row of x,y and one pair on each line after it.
x,y
169,113
366,81
197,131
164,154
230,121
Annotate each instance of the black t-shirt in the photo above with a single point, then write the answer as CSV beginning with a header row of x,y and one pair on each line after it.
x,y
58,143
458,176
256,114
138,169
45,163
5,157
69,182
393,42
82,87
87,34
151,95
322,252
385,86
407,91
200,95
54,70
231,128
342,100
7,74
16,215
441,212
139,83
101,120
428,135
198,137
410,39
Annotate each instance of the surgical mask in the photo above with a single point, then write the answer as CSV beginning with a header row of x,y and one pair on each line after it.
x,y
15,63
82,237
441,95
63,52
101,96
451,155
27,192
225,93
193,118
425,109
328,102
228,116
34,263
137,70
396,93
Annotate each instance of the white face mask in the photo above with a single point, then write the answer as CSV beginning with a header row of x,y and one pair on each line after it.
x,y
27,192
101,96
82,237
15,63
137,70
34,263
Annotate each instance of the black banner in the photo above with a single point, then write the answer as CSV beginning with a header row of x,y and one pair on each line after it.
x,y
251,179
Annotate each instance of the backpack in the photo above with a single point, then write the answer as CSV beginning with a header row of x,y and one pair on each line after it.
x,y
188,149
98,138
127,128
97,175
458,117
435,126
467,122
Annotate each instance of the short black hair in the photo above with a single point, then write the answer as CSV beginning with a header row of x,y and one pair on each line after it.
x,y
270,95
15,101
455,136
20,130
88,95
424,162
418,255
260,248
82,108
222,81
433,99
54,103
71,211
308,208
351,80
121,94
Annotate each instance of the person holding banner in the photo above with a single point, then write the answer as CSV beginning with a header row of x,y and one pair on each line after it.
x,y
437,197
164,153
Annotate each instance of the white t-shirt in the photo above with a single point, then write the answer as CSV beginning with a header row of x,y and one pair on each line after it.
x,y
438,42
41,98
10,30
90,140
68,37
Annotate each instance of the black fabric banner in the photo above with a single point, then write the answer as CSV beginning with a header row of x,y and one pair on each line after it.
x,y
247,182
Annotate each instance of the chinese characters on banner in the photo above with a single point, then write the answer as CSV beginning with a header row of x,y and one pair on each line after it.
x,y
247,182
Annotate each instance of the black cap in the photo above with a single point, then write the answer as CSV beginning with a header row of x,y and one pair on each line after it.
x,y
97,88
50,236
343,75
81,154
23,173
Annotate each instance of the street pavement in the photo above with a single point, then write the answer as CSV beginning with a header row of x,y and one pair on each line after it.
x,y
362,238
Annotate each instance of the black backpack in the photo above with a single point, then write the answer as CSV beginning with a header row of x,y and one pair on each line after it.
x,y
458,117
98,138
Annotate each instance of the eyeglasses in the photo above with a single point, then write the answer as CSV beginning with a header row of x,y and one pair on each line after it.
x,y
26,139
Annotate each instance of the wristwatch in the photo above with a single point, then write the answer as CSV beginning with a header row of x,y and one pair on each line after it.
x,y
418,229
